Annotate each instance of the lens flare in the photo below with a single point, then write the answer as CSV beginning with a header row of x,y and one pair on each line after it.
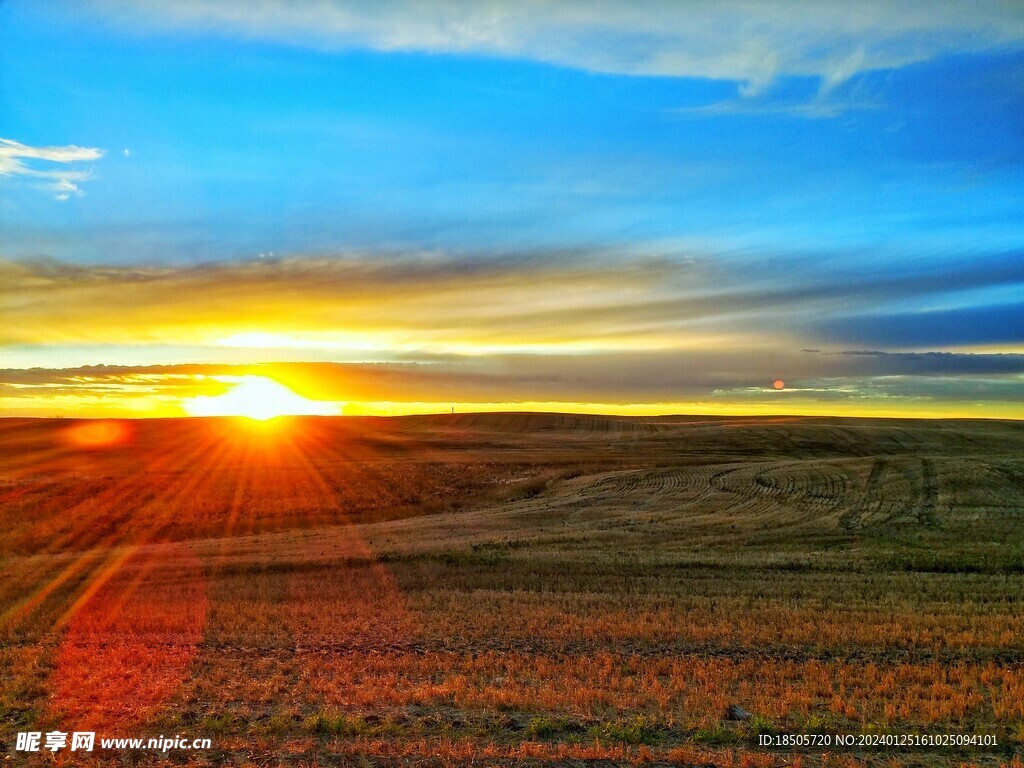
x,y
97,434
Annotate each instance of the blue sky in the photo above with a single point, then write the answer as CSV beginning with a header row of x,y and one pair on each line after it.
x,y
862,171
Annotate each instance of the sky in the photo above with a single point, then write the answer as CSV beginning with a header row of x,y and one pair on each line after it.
x,y
624,207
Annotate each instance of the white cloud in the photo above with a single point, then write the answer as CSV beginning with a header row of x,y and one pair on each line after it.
x,y
62,182
819,108
63,189
749,41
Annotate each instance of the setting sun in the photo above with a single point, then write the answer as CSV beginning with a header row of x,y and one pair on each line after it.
x,y
260,398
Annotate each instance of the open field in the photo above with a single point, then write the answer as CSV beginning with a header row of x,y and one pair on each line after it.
x,y
513,588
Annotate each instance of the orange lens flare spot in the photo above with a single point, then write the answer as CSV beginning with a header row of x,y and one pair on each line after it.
x,y
98,434
779,384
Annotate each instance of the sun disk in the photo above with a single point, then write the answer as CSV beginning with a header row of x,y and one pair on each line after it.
x,y
259,398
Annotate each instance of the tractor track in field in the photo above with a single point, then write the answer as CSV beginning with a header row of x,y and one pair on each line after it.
x,y
815,488
871,501
807,483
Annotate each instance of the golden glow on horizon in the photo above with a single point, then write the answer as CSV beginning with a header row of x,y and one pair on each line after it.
x,y
135,406
259,398
265,391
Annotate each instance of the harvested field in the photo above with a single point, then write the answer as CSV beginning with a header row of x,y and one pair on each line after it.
x,y
515,588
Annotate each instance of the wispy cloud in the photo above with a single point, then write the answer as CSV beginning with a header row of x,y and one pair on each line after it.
x,y
752,42
17,159
819,108
428,303
546,302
